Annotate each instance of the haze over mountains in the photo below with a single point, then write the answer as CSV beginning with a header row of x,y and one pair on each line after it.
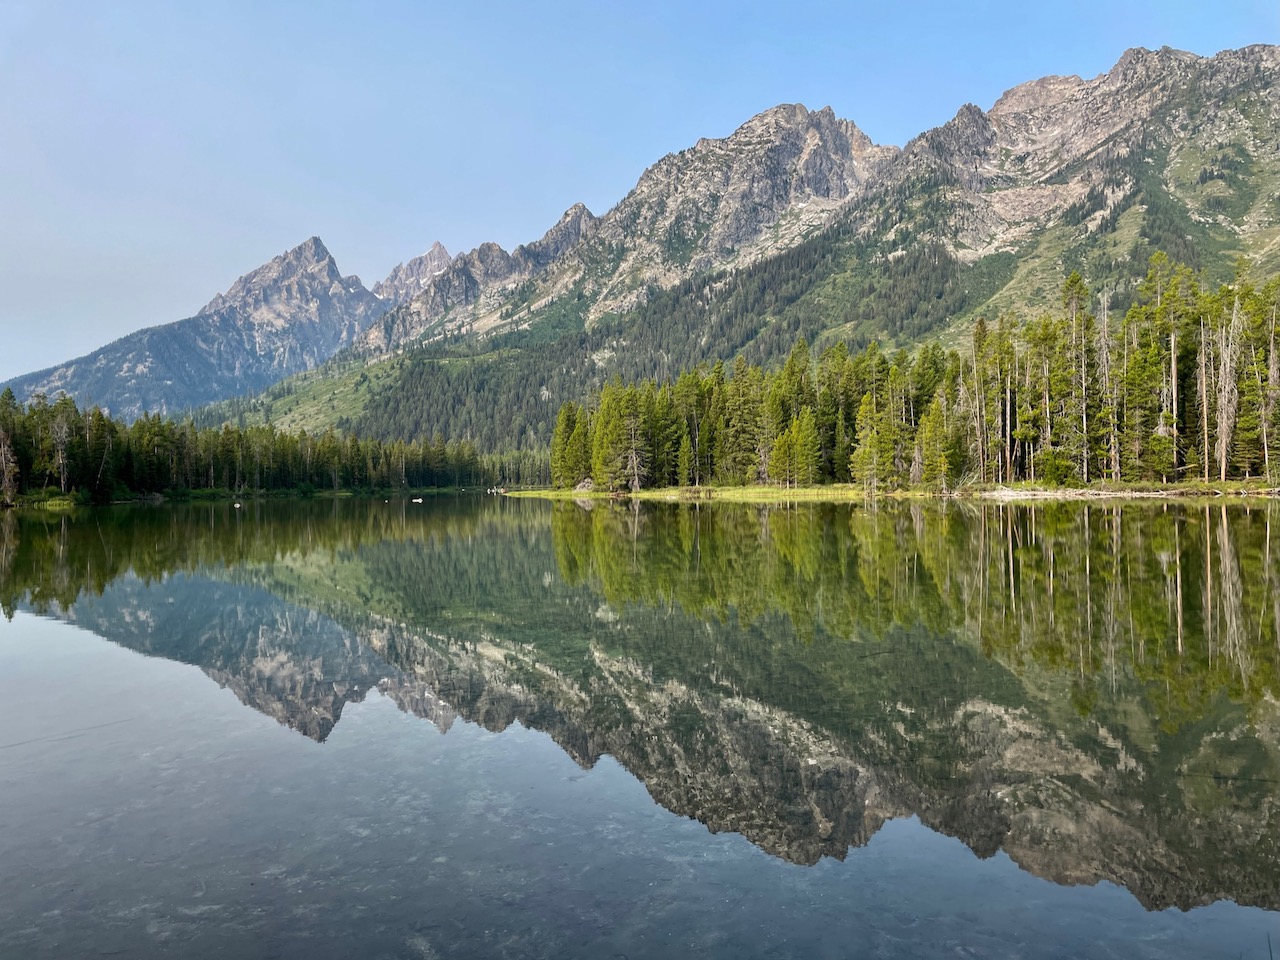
x,y
795,224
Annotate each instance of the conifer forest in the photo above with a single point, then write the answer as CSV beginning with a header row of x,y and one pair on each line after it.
x,y
1182,387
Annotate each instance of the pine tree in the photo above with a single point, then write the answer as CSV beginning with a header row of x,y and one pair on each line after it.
x,y
868,464
610,441
933,445
577,460
684,461
782,458
566,420
806,451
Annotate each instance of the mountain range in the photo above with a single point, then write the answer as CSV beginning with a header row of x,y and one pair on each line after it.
x,y
796,224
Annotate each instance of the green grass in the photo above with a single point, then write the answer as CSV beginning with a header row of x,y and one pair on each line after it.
x,y
855,493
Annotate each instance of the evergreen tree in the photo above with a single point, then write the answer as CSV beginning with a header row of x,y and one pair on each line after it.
x,y
805,449
566,420
782,464
933,444
684,461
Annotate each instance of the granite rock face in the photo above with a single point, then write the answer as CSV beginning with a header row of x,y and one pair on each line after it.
x,y
986,182
726,201
409,279
997,179
477,284
289,315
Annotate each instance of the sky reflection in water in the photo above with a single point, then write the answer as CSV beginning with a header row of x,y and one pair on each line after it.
x,y
145,811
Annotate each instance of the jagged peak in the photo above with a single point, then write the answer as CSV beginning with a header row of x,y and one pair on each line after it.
x,y
407,279
489,249
1143,54
1138,63
304,258
787,112
578,211
969,117
311,250
795,115
436,252
1036,93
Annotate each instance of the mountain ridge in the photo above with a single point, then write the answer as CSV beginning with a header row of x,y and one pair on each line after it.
x,y
693,210
1166,150
288,315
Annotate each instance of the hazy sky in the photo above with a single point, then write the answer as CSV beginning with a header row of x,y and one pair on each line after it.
x,y
150,153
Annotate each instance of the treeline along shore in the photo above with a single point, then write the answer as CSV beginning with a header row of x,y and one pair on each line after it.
x,y
56,452
1183,387
1181,390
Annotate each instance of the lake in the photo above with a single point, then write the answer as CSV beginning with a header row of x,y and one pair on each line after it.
x,y
489,727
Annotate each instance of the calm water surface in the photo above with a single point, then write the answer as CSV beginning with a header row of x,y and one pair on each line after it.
x,y
493,728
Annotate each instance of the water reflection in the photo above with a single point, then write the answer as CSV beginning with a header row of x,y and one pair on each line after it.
x,y
1090,689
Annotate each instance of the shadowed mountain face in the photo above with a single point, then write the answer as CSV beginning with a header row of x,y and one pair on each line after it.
x,y
1090,690
288,315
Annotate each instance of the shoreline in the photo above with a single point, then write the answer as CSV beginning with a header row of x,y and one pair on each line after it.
x,y
849,493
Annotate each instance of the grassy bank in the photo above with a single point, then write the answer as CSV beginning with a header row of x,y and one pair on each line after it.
x,y
854,493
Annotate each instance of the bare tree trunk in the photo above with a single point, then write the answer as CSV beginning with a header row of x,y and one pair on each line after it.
x,y
8,471
1108,391
1272,391
1204,398
1084,408
1262,416
60,430
1173,377
1228,388
980,428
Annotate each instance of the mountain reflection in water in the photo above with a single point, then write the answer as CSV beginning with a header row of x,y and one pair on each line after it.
x,y
1091,689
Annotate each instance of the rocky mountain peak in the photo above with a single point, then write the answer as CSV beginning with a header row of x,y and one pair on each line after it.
x,y
311,250
269,293
776,177
570,230
1037,93
290,314
407,280
1139,62
995,180
718,200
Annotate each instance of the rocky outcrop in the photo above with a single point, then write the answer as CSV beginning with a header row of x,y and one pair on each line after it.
x,y
777,177
476,284
985,182
289,315
408,280
759,190
992,181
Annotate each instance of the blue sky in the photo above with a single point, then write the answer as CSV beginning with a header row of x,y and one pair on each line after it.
x,y
150,153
